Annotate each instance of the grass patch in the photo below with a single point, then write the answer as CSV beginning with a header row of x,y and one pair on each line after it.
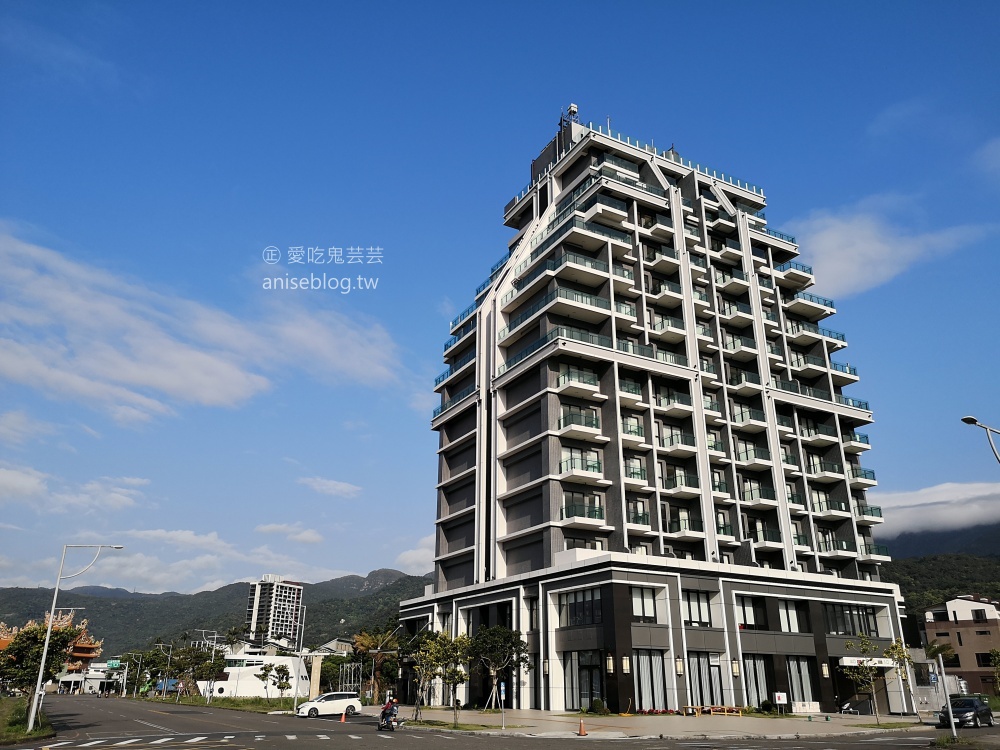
x,y
254,705
946,740
14,721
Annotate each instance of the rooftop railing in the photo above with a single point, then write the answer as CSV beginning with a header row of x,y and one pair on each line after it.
x,y
461,395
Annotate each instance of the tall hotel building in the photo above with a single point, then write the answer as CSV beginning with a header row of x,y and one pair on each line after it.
x,y
273,610
651,457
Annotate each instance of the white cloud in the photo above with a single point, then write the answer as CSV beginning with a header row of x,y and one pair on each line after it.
x,y
293,532
857,248
330,486
943,507
183,538
46,493
419,560
77,332
16,427
56,56
21,484
899,116
987,157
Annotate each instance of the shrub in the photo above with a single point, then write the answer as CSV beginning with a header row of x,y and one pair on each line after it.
x,y
597,707
767,707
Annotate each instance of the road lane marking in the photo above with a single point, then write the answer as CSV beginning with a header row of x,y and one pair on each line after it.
x,y
88,744
154,726
229,737
195,739
161,741
322,737
354,736
129,742
57,744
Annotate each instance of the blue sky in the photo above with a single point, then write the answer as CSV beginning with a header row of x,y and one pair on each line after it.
x,y
152,394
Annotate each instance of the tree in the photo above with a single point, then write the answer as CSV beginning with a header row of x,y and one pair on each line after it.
x,y
497,649
281,679
19,662
449,655
995,663
934,649
381,647
264,675
900,656
865,673
422,650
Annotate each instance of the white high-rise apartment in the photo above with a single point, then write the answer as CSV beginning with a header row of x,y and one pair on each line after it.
x,y
650,451
273,610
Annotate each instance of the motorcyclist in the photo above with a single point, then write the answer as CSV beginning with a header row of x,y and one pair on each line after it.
x,y
390,709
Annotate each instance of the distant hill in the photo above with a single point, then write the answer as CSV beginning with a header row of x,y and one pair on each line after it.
x,y
977,540
127,621
933,579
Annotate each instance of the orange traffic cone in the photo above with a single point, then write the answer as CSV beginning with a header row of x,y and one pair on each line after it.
x,y
343,718
582,732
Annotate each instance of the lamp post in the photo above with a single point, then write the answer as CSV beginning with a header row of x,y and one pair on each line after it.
x,y
990,431
379,651
36,699
170,655
215,638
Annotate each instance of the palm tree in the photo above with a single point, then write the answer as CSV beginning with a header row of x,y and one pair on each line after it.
x,y
934,649
381,646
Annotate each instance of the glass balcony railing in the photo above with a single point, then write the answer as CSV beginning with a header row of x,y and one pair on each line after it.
x,y
796,326
631,347
671,358
795,498
580,464
836,545
830,506
461,395
703,330
784,421
868,511
708,367
665,322
460,334
667,400
660,286
684,524
580,420
680,480
686,202
734,342
583,377
824,301
635,472
718,246
692,231
755,453
858,473
856,437
747,415
804,360
651,255
739,377
723,278
715,445
794,266
779,235
623,272
844,368
630,386
675,440
775,349
765,535
875,549
618,162
823,467
789,460
551,265
711,404
631,182
801,540
571,295
455,367
464,314
766,281
818,429
631,428
759,493
583,511
857,403
724,529
735,308
698,260
639,519
625,308
647,221
720,486
575,334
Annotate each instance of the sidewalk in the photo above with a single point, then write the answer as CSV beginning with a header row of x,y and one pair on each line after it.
x,y
531,723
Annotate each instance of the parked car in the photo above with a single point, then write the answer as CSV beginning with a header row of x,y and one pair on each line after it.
x,y
970,711
330,704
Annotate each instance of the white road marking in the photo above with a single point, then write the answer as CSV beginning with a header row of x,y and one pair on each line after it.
x,y
95,742
229,737
291,737
57,744
128,742
354,736
322,737
161,741
195,739
154,726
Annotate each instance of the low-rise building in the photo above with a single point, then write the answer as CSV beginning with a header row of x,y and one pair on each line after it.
x,y
971,624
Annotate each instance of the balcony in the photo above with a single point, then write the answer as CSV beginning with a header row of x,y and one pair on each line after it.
x,y
791,465
856,442
681,485
626,310
667,328
635,476
666,293
744,382
874,552
709,370
713,410
721,494
629,393
801,540
623,278
671,358
843,374
674,404
605,207
837,548
819,434
728,250
868,515
831,509
582,516
580,426
766,538
582,470
810,306
701,301
678,446
749,420
685,529
699,266
860,478
716,449
737,314
692,234
664,260
573,334
804,333
793,275
740,348
568,265
579,383
754,458
725,530
733,282
807,364
759,497
658,225
631,347
824,471
786,425
632,433
456,399
796,504
456,368
853,402
637,519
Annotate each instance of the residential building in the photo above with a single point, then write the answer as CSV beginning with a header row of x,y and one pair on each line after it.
x,y
971,624
273,609
649,460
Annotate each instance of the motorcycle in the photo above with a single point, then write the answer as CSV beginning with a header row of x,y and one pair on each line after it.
x,y
389,722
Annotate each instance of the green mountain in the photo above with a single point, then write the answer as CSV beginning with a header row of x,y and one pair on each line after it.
x,y
130,621
933,579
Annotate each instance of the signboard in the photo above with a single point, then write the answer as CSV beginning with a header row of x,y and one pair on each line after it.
x,y
114,663
503,692
857,661
781,699
933,679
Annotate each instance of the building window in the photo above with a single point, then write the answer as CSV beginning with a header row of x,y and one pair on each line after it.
x,y
750,613
982,632
697,612
959,636
643,609
983,660
580,608
940,617
850,619
941,635
979,615
573,542
532,607
445,618
794,616
583,504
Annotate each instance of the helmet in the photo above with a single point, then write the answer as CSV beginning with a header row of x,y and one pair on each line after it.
x,y
395,700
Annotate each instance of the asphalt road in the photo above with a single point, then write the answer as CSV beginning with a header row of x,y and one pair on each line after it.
x,y
88,722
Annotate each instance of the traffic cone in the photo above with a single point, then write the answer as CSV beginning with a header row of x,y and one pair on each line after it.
x,y
582,732
343,718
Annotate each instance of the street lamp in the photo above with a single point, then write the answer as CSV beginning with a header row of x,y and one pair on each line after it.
x,y
379,651
36,699
976,423
215,638
170,655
